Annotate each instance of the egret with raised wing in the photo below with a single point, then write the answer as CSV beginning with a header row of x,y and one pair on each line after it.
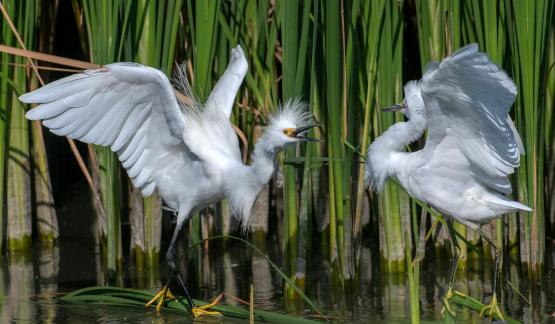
x,y
471,146
187,152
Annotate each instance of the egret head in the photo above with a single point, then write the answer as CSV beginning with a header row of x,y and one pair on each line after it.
x,y
413,102
290,125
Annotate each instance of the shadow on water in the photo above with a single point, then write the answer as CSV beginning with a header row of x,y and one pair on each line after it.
x,y
31,282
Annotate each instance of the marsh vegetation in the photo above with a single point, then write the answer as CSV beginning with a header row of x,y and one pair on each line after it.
x,y
345,247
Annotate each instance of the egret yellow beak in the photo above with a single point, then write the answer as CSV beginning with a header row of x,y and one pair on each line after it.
x,y
300,133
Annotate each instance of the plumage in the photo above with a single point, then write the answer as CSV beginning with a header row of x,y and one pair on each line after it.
x,y
188,152
471,145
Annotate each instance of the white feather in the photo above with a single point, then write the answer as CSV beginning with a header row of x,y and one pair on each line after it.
x,y
471,146
187,152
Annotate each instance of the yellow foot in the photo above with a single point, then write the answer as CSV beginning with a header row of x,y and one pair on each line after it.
x,y
161,296
492,309
204,309
447,305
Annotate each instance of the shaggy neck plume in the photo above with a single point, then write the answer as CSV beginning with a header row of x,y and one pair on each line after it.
x,y
253,178
379,164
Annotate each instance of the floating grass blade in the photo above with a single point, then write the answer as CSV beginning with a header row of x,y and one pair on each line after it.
x,y
284,276
123,297
473,304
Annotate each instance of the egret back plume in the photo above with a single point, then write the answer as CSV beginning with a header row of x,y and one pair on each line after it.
x,y
181,83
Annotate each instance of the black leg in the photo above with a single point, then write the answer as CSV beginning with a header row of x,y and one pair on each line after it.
x,y
493,308
497,269
455,249
497,258
170,258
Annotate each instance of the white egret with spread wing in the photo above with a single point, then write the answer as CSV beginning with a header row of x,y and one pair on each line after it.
x,y
188,152
471,145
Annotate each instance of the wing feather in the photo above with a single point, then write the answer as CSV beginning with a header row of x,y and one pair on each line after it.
x,y
128,107
214,139
224,92
471,96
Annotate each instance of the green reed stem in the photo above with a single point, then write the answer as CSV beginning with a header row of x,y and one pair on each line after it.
x,y
106,30
333,62
529,25
5,91
393,208
24,16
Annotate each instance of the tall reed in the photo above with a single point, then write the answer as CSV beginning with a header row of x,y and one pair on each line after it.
x,y
294,34
529,24
46,218
333,60
18,153
549,135
152,40
367,33
106,23
394,212
7,37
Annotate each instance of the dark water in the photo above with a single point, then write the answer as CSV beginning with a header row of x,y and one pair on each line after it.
x,y
31,282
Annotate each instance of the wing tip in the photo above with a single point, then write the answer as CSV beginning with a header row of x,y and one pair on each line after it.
x,y
148,189
26,98
468,49
33,114
239,59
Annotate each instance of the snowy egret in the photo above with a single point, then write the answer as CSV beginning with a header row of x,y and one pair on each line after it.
x,y
471,146
188,152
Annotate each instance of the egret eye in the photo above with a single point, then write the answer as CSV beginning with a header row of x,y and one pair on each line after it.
x,y
289,132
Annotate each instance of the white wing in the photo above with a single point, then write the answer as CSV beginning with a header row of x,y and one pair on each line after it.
x,y
468,97
212,136
224,92
128,107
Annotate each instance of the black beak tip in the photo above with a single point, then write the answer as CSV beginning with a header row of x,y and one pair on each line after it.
x,y
301,133
396,107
